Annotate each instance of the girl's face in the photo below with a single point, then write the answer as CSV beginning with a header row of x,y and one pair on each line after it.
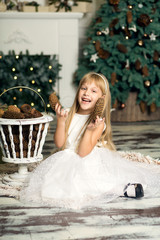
x,y
87,97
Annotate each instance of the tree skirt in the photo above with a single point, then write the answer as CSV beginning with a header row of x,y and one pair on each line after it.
x,y
13,191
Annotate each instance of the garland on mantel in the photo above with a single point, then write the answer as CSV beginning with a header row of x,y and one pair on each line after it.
x,y
66,4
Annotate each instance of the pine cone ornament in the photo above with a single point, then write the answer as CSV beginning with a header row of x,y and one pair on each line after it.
x,y
113,78
122,48
129,16
53,100
143,20
98,110
145,71
13,115
13,108
1,112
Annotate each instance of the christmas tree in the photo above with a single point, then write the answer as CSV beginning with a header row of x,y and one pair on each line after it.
x,y
123,44
37,72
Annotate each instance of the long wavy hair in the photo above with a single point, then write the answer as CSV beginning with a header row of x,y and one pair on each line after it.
x,y
98,79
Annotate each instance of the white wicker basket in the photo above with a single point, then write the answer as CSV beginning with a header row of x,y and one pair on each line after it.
x,y
16,150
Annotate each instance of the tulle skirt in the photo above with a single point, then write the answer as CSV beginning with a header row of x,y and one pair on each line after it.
x,y
67,180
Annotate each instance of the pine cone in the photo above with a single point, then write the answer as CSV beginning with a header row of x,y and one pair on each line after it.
x,y
53,100
26,108
98,110
129,16
13,115
113,78
1,112
145,71
14,109
122,48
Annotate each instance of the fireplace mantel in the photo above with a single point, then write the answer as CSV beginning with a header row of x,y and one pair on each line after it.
x,y
50,33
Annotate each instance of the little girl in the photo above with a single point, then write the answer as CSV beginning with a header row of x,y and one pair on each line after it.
x,y
87,170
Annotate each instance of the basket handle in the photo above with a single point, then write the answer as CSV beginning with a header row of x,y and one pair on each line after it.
x,y
26,88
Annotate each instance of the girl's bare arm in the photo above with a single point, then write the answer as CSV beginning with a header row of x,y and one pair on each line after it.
x,y
59,136
91,136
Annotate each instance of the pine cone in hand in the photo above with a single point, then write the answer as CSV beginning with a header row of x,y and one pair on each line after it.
x,y
53,100
98,110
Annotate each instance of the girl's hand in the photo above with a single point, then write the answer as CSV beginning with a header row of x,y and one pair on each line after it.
x,y
95,124
60,112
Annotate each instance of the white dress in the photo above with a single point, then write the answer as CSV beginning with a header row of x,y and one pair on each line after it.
x,y
67,180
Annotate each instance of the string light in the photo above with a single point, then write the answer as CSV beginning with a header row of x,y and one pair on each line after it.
x,y
33,81
32,104
0,57
48,105
17,56
13,69
50,67
14,98
20,89
50,81
15,77
31,68
38,89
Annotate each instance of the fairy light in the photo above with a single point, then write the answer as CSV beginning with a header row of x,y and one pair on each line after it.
x,y
31,68
20,89
48,105
13,69
50,67
33,81
39,90
17,56
14,98
15,77
32,104
50,81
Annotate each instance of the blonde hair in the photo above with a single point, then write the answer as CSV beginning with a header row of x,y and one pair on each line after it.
x,y
98,79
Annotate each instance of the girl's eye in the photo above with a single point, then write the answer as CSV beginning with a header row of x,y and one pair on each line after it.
x,y
94,91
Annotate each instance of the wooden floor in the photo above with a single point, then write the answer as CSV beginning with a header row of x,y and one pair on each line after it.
x,y
120,219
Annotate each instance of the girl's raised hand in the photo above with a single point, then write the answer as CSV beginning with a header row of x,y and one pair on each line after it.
x,y
60,112
95,124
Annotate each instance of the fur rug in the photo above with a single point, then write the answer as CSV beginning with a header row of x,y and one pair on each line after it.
x,y
13,191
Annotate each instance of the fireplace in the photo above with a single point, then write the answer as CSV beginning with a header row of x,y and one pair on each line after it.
x,y
50,33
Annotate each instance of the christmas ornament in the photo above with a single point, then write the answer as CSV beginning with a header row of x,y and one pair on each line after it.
x,y
140,43
133,28
137,65
140,5
106,31
53,100
113,78
130,6
122,106
129,16
94,58
145,71
104,54
127,64
147,83
152,37
143,20
114,2
98,109
156,56
142,106
122,48
99,33
113,23
153,107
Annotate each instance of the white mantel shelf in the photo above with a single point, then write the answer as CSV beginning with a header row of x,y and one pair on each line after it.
x,y
47,33
40,15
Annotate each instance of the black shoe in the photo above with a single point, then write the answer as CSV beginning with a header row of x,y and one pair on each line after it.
x,y
134,190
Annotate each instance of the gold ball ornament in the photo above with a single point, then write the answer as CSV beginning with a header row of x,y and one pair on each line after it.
x,y
140,43
147,83
123,105
99,33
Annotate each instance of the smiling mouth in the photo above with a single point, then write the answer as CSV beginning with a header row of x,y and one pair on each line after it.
x,y
86,100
